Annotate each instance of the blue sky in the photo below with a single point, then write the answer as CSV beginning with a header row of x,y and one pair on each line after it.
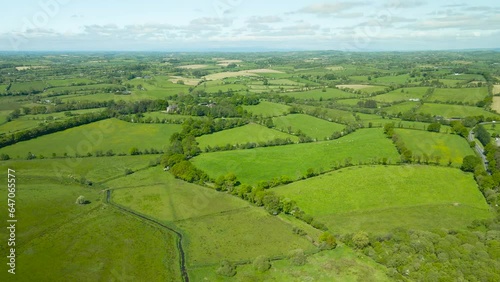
x,y
196,25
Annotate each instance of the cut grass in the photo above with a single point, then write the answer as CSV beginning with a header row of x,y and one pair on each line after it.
x,y
252,166
454,111
310,126
251,133
267,109
401,108
496,104
390,192
466,95
447,147
111,134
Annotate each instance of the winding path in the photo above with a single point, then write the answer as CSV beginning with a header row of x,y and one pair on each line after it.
x,y
182,257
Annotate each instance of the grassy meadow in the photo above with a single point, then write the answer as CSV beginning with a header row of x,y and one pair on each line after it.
x,y
252,133
111,134
252,166
267,109
310,126
360,192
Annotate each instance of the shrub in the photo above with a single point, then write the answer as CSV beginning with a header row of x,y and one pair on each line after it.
x,y
297,257
226,269
261,264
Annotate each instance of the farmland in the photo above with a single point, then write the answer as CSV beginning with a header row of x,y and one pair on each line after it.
x,y
258,166
405,191
251,166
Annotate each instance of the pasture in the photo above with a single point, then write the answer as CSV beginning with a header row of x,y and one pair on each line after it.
x,y
93,240
496,89
159,195
341,264
252,166
111,134
400,95
214,238
311,126
401,108
320,94
250,133
267,109
465,95
390,196
496,104
454,111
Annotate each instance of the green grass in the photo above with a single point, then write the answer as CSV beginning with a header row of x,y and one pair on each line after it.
x,y
454,111
267,109
451,82
240,235
398,96
396,194
111,134
32,121
401,108
310,126
67,82
446,146
251,166
342,264
207,218
27,86
349,102
158,194
318,94
466,77
241,135
332,114
465,95
57,239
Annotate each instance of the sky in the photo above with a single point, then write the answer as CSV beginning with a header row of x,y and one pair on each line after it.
x,y
248,25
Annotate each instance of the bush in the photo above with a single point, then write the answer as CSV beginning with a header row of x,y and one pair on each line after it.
x,y
327,241
297,257
81,200
261,264
226,269
360,240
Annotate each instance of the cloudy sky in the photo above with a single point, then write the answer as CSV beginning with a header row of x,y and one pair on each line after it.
x,y
239,25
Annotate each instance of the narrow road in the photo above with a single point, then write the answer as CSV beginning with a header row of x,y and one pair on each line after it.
x,y
182,257
478,148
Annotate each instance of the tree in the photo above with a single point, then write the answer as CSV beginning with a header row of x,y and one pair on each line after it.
x,y
469,163
81,200
360,240
226,269
327,241
134,151
434,127
482,135
261,264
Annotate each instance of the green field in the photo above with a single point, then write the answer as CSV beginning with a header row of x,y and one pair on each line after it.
x,y
27,86
319,94
207,218
401,108
251,166
466,95
454,111
158,194
404,94
331,114
251,133
445,146
267,109
111,134
58,240
341,264
310,126
410,196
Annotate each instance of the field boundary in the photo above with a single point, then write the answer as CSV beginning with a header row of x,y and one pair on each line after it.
x,y
184,273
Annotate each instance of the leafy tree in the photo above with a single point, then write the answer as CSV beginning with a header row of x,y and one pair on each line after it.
x,y
134,151
81,200
470,163
327,241
434,127
360,240
482,135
